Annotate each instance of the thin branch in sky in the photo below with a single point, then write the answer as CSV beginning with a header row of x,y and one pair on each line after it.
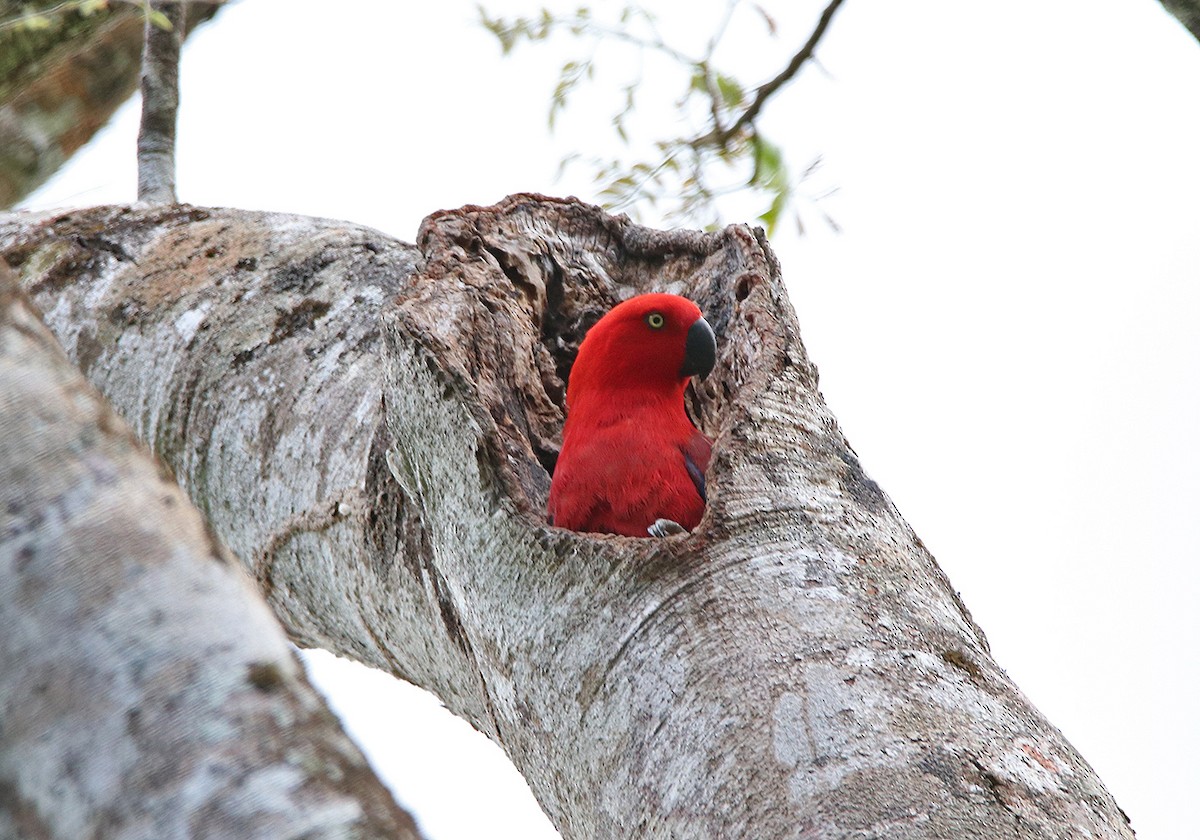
x,y
160,102
765,91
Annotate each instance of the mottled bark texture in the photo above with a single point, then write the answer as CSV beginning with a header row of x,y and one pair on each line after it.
x,y
61,83
372,426
146,691
1188,13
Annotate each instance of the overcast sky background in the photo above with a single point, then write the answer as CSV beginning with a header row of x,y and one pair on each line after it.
x,y
1005,326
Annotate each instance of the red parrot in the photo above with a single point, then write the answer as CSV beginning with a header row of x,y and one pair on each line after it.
x,y
630,454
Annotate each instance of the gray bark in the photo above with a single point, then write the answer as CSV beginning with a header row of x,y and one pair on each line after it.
x,y
371,427
1188,13
146,691
160,104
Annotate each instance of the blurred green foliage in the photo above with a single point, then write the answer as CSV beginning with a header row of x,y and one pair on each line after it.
x,y
722,152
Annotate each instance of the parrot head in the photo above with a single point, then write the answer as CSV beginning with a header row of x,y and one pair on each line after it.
x,y
653,341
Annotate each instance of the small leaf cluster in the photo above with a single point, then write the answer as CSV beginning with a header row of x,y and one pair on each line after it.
x,y
723,151
42,17
30,31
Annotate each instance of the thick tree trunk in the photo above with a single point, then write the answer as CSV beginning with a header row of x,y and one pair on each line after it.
x,y
371,427
145,689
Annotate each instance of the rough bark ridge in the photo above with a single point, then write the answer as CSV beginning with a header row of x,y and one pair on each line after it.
x,y
145,690
796,667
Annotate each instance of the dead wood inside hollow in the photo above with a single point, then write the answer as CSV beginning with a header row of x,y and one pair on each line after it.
x,y
507,293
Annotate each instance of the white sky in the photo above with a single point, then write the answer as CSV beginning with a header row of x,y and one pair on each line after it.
x,y
1005,327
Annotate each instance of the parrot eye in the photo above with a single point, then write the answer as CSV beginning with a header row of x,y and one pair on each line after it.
x,y
655,320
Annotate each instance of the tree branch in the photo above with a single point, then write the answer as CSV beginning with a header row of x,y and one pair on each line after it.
x,y
1188,13
160,101
146,689
767,90
373,426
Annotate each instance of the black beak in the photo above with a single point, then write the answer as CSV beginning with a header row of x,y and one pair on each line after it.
x,y
700,352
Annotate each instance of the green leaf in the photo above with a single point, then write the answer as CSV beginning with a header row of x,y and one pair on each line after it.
x,y
768,164
159,20
731,91
499,28
568,78
770,216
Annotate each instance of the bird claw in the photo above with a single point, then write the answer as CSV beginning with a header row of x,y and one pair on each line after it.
x,y
665,528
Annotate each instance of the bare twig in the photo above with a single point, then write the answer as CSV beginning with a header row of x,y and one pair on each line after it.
x,y
160,102
765,91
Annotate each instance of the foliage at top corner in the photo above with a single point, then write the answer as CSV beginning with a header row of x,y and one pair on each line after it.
x,y
31,30
721,153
